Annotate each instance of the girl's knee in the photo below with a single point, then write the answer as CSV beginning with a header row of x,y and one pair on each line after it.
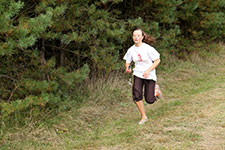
x,y
150,100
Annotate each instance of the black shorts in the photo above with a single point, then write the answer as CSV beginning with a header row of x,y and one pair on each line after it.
x,y
149,90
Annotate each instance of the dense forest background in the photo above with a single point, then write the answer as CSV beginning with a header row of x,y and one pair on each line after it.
x,y
49,48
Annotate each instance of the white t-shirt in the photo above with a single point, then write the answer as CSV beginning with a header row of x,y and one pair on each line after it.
x,y
143,56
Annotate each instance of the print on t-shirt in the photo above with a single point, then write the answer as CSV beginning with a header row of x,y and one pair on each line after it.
x,y
139,56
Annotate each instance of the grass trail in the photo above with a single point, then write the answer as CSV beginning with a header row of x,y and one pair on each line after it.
x,y
190,116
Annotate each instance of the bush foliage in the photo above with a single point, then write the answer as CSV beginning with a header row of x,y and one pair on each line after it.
x,y
48,48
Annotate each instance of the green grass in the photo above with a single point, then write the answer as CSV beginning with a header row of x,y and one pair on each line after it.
x,y
190,115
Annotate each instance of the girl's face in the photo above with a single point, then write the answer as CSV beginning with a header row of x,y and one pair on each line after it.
x,y
137,37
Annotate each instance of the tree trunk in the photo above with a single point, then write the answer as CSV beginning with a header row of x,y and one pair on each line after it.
x,y
42,52
62,58
42,58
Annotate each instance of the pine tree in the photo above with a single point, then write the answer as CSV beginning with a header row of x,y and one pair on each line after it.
x,y
23,50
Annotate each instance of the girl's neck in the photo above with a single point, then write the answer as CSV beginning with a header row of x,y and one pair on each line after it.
x,y
138,44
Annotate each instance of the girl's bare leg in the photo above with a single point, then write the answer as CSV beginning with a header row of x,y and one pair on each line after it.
x,y
141,109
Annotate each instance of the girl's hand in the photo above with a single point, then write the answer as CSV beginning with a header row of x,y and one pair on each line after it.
x,y
146,74
128,69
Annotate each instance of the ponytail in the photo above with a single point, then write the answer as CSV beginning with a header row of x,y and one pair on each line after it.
x,y
148,39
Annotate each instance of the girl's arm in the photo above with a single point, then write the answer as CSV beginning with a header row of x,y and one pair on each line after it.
x,y
154,65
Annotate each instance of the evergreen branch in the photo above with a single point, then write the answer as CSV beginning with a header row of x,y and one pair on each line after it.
x,y
12,93
23,11
5,76
61,48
